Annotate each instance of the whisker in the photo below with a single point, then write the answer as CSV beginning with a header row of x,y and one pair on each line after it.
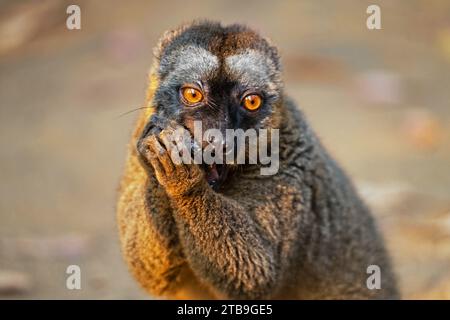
x,y
128,112
213,105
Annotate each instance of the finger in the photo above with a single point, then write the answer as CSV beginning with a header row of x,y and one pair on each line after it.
x,y
156,152
164,158
179,142
155,146
159,169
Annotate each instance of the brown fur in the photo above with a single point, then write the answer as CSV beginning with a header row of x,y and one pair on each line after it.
x,y
301,234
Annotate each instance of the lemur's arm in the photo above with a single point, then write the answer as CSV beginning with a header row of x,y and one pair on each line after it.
x,y
222,242
147,229
224,245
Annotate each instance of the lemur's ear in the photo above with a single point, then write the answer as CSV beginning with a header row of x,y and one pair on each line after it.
x,y
170,35
153,78
167,38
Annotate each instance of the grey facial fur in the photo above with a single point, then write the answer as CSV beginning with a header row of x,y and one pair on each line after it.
x,y
253,69
189,64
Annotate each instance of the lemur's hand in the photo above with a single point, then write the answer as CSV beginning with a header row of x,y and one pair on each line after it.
x,y
158,150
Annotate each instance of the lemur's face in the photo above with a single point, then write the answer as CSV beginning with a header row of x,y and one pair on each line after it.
x,y
225,77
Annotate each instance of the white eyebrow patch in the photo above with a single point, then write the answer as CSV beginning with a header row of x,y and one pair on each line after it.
x,y
251,67
195,60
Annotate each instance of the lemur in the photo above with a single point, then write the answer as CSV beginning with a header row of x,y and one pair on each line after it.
x,y
302,233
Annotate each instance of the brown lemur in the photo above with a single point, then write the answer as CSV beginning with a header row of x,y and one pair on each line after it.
x,y
226,231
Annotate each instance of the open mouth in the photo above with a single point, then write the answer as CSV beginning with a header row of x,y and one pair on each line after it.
x,y
215,174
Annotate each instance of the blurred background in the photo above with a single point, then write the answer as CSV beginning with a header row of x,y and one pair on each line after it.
x,y
379,99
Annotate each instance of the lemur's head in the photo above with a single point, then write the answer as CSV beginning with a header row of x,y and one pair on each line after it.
x,y
226,77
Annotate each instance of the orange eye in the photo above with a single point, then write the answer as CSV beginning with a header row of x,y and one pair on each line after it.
x,y
191,95
252,102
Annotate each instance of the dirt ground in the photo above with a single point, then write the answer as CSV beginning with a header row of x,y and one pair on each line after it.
x,y
379,100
